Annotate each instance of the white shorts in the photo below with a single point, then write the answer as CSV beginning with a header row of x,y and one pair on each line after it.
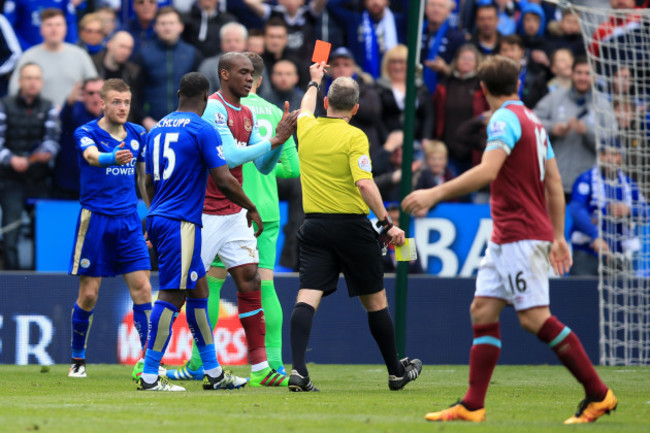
x,y
229,237
516,272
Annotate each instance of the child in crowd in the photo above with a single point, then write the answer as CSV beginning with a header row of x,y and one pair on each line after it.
x,y
436,171
561,65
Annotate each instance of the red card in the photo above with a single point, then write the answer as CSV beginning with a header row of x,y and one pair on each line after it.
x,y
321,51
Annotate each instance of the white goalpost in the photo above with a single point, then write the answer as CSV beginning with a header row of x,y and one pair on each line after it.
x,y
618,50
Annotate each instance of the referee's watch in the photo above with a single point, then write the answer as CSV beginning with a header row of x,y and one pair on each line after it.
x,y
313,83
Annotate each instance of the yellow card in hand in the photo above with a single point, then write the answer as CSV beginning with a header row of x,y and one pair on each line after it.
x,y
406,252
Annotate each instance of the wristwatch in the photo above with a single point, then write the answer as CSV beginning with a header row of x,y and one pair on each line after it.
x,y
313,83
385,224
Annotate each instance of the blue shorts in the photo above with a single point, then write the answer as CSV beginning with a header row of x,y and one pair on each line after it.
x,y
108,245
178,246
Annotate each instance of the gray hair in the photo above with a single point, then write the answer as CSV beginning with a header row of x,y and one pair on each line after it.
x,y
343,94
233,26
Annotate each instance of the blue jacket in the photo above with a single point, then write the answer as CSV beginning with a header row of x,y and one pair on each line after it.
x,y
162,68
25,17
590,189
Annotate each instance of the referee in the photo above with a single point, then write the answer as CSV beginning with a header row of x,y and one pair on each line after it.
x,y
337,236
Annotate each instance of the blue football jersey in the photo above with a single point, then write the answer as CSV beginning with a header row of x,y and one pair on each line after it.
x,y
180,150
109,190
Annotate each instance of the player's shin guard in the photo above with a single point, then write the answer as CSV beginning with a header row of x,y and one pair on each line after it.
x,y
214,300
199,324
569,350
483,357
301,320
273,318
81,322
160,331
141,314
383,331
251,316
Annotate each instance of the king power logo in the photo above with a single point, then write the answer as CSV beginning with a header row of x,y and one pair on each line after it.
x,y
229,339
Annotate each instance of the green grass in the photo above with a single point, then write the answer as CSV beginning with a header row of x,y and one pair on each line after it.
x,y
352,399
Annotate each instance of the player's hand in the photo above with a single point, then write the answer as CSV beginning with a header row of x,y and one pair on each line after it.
x,y
20,164
286,127
560,257
317,70
422,199
396,236
253,215
123,156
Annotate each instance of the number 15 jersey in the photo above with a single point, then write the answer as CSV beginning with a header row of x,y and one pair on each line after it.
x,y
518,194
180,150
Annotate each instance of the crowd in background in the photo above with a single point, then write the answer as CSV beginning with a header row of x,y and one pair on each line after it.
x,y
54,56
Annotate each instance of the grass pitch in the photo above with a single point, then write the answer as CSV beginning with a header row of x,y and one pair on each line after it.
x,y
353,398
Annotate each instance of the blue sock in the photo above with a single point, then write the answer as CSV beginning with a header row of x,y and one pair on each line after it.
x,y
141,313
199,323
81,321
160,331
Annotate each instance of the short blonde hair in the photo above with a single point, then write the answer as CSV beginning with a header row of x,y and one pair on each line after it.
x,y
434,146
399,51
89,18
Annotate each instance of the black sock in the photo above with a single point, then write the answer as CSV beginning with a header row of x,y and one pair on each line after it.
x,y
382,330
301,320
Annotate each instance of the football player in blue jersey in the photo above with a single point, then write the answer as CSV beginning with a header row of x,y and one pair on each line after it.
x,y
108,239
179,150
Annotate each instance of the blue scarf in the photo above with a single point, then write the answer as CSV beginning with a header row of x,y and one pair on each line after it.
x,y
371,60
430,77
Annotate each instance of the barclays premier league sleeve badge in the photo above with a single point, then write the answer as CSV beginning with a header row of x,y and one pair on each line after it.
x,y
364,163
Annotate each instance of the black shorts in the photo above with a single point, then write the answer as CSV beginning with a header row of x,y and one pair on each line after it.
x,y
333,243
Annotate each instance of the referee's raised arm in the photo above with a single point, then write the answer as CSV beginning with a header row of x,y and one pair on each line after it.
x,y
316,72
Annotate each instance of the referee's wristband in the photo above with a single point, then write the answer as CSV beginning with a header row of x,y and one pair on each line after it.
x,y
106,159
313,83
384,225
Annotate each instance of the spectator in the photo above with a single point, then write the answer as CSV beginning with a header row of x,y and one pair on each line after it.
x,y
203,26
532,29
255,41
284,82
387,167
109,20
568,117
607,190
233,39
141,26
486,36
371,32
389,259
299,18
452,106
91,33
634,136
10,52
51,56
392,93
369,116
163,64
561,64
26,18
507,22
436,170
113,62
29,134
77,110
440,41
566,33
532,77
276,38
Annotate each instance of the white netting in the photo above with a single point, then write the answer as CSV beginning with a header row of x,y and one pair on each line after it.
x,y
618,47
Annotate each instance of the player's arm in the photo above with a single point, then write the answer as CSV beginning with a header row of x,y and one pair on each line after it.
x,y
231,188
142,183
471,180
289,166
267,162
560,255
148,188
94,157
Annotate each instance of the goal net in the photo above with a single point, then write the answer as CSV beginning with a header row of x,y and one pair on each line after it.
x,y
618,49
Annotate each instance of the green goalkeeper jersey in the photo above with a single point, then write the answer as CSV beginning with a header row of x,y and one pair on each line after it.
x,y
262,189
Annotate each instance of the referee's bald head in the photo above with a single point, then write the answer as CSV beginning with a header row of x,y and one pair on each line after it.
x,y
343,94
